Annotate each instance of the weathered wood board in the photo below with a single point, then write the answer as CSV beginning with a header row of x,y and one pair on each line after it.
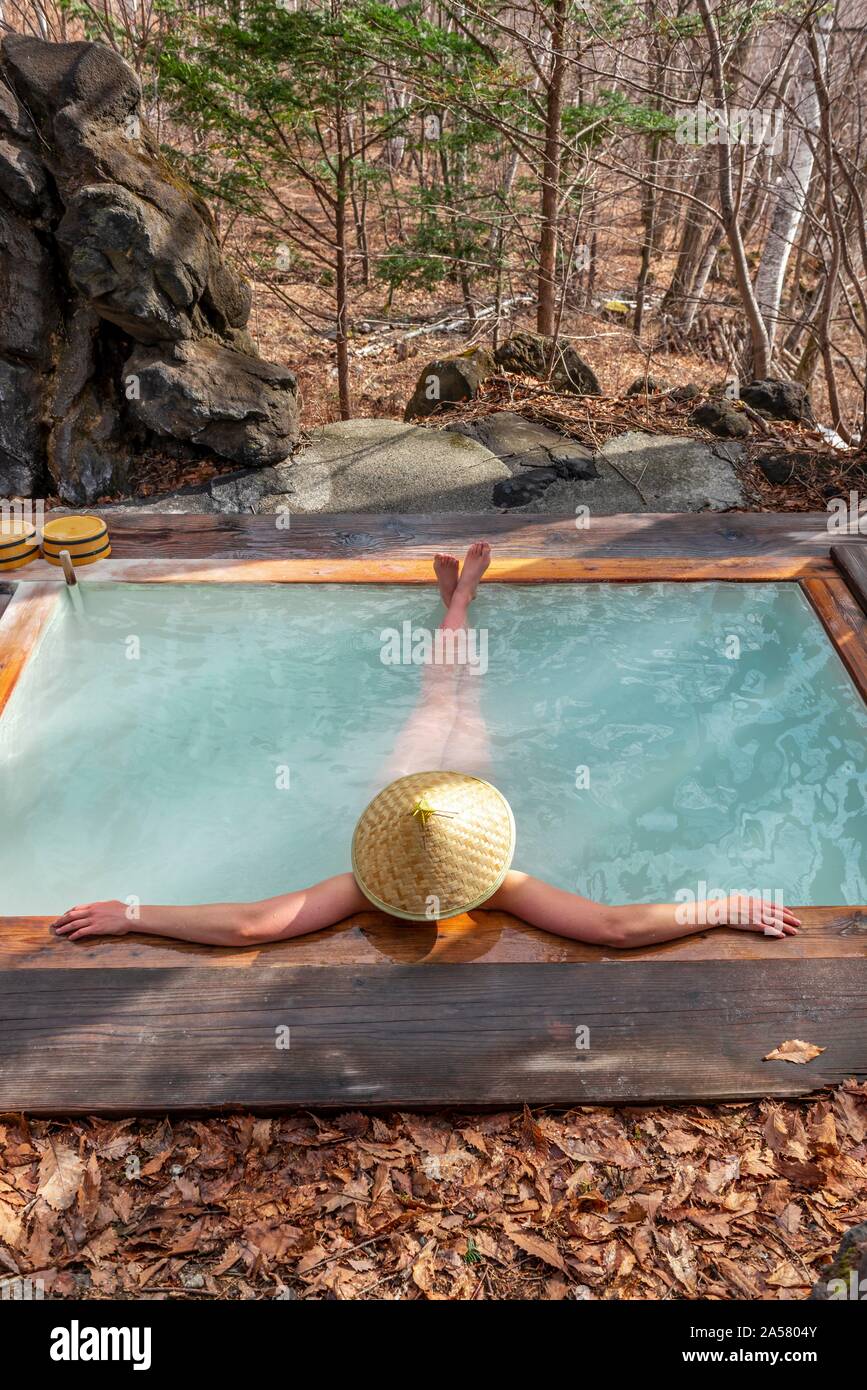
x,y
140,1041
852,560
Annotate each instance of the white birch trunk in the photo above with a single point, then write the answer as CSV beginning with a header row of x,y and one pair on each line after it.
x,y
790,199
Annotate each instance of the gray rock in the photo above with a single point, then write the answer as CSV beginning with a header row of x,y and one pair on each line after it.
x,y
22,460
524,488
125,259
574,461
685,394
240,407
107,248
22,180
387,466
29,318
527,444
509,435
194,500
88,452
641,472
448,381
780,400
243,490
227,300
528,354
650,386
722,420
84,77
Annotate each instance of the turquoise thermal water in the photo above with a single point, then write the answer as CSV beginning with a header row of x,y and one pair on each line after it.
x,y
145,750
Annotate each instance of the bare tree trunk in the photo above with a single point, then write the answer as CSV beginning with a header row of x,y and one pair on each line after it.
x,y
713,242
729,207
646,253
342,288
395,100
551,162
679,294
460,264
649,200
836,233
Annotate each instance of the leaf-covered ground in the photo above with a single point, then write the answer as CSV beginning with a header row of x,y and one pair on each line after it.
x,y
730,1201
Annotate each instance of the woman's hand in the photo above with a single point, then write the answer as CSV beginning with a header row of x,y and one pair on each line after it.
x,y
94,919
751,914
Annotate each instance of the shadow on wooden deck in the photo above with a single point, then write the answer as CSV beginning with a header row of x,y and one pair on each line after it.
x,y
475,1012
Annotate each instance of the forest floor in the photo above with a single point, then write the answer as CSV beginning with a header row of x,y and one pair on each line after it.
x,y
383,380
812,471
731,1201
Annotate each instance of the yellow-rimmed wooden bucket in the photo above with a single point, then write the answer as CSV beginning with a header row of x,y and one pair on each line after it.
x,y
85,537
19,544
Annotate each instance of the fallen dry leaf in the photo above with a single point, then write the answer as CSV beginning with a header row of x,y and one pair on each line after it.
x,y
538,1247
795,1050
60,1172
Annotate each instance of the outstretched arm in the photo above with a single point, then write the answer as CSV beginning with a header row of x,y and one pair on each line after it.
x,y
633,924
222,924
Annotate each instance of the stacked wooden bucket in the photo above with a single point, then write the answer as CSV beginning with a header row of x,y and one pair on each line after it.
x,y
19,544
85,537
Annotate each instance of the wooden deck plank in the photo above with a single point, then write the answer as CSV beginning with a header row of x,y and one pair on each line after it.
x,y
852,560
355,536
617,569
144,1041
371,938
844,621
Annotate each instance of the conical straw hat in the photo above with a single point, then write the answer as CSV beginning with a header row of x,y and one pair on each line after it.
x,y
432,845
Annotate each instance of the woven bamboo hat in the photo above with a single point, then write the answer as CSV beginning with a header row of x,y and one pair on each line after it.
x,y
432,845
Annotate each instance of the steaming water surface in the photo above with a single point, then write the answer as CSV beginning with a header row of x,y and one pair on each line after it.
x,y
147,748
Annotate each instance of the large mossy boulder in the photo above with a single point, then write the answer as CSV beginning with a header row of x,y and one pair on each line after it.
x,y
123,326
845,1279
529,355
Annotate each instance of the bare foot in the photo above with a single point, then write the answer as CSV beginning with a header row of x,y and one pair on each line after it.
x,y
476,561
446,571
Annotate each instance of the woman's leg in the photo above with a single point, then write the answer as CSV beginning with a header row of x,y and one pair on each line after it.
x,y
445,730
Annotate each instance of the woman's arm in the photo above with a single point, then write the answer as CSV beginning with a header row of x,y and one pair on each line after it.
x,y
633,924
222,924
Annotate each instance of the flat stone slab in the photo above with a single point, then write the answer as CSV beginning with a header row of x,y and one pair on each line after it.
x,y
387,466
673,474
527,443
196,500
